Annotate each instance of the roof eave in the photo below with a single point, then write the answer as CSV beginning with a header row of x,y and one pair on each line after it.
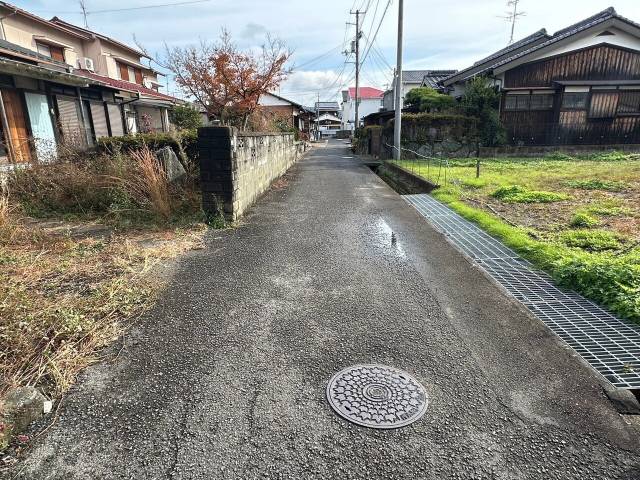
x,y
609,23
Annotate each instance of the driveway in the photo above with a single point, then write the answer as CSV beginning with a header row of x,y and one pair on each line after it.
x,y
225,378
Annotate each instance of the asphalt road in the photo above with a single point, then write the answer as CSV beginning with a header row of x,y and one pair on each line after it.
x,y
225,378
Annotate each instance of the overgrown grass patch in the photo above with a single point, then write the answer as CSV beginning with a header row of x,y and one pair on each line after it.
x,y
64,298
583,241
591,240
598,184
518,194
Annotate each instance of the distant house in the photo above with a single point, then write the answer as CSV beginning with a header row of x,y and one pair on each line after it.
x,y
61,84
328,118
370,102
580,85
292,113
414,79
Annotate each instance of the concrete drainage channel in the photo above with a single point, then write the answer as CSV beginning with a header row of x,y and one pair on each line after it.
x,y
610,345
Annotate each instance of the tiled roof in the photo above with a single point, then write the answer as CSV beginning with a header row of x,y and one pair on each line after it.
x,y
366,93
535,42
432,78
487,63
127,86
534,37
608,14
413,76
327,106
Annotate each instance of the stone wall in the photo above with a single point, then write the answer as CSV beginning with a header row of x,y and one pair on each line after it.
x,y
237,167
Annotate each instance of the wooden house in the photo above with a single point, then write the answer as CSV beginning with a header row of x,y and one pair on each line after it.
x,y
579,86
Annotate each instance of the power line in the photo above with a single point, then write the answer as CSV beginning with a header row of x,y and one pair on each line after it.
x,y
319,57
377,30
84,11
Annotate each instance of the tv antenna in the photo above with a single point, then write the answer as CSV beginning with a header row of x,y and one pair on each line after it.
x,y
512,16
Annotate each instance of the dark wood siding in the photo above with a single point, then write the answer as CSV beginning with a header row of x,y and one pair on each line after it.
x,y
604,62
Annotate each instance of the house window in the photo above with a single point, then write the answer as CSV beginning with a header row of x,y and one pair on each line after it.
x,y
629,103
43,49
51,51
515,102
525,102
543,101
575,100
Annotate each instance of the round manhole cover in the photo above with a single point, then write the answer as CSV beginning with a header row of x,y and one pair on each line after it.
x,y
377,396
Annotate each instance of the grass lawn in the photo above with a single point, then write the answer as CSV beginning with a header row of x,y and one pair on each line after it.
x,y
578,219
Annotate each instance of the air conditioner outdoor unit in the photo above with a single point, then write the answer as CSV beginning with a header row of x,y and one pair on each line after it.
x,y
88,64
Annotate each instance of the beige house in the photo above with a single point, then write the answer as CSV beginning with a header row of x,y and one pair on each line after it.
x,y
61,84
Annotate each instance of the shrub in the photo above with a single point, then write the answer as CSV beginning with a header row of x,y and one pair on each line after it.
x,y
481,101
426,99
584,220
180,142
596,184
185,117
613,156
518,194
591,240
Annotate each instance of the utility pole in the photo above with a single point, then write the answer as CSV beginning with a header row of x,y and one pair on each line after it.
x,y
397,127
357,13
318,118
84,13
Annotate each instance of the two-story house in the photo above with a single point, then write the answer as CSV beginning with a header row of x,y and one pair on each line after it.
x,y
64,85
370,101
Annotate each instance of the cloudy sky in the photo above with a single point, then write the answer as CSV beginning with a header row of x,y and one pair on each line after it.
x,y
438,33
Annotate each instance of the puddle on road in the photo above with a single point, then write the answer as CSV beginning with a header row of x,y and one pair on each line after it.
x,y
388,239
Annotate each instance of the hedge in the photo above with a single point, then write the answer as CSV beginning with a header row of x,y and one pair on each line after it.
x,y
187,139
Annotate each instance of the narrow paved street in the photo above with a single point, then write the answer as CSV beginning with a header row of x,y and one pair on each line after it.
x,y
225,378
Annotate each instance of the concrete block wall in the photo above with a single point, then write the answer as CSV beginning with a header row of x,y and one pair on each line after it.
x,y
237,167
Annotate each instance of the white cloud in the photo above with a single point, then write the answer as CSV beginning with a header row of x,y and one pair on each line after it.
x,y
437,35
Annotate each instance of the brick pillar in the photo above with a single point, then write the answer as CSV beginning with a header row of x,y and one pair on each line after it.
x,y
218,167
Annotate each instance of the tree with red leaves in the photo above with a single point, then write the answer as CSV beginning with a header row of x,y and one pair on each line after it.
x,y
227,81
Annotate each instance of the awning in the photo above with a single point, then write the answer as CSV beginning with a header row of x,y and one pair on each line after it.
x,y
51,41
126,61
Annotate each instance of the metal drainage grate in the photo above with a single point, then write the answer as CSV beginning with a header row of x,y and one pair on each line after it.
x,y
377,396
610,345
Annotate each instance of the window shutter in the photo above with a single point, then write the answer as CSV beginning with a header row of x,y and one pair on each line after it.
x,y
138,76
115,119
124,72
57,53
99,117
69,121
